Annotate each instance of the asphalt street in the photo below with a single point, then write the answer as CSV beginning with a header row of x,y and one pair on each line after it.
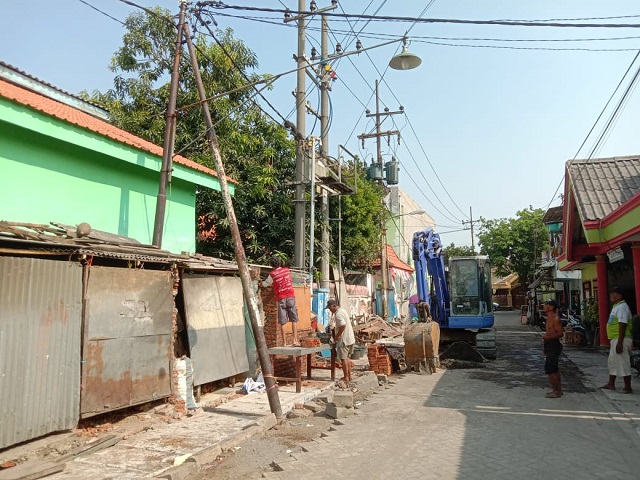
x,y
489,423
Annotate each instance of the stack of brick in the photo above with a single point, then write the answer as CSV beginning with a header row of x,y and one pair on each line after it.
x,y
379,360
282,366
310,342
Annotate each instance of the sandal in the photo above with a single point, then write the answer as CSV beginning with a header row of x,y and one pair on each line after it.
x,y
553,395
627,390
607,387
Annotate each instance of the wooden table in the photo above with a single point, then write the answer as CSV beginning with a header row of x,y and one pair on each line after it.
x,y
297,353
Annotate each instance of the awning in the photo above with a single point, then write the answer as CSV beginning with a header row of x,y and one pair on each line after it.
x,y
406,276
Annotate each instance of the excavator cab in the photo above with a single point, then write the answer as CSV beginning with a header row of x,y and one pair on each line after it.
x,y
470,292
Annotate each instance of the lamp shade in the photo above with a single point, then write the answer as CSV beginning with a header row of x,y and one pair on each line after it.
x,y
405,60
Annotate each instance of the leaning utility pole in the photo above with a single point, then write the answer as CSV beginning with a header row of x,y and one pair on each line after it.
x,y
241,259
383,237
169,135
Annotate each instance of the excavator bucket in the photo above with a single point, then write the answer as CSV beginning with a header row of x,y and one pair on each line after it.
x,y
421,347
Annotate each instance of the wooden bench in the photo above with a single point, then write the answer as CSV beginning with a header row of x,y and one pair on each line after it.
x,y
297,353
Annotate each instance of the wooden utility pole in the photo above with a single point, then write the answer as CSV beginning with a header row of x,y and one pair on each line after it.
x,y
241,259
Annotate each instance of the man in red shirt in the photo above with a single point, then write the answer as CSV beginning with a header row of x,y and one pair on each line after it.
x,y
280,278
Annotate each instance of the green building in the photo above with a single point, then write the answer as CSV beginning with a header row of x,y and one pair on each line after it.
x,y
61,161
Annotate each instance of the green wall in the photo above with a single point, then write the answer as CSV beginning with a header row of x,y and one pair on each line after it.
x,y
55,171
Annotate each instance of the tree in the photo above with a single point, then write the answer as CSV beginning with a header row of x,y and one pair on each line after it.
x,y
454,250
361,221
258,152
514,244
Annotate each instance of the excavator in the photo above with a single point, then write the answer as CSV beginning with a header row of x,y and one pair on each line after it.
x,y
455,307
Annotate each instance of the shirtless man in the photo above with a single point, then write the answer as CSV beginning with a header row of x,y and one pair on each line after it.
x,y
552,347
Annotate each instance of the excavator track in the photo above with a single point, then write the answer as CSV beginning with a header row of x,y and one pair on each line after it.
x,y
486,343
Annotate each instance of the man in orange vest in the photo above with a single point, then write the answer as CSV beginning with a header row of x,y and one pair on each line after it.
x,y
280,278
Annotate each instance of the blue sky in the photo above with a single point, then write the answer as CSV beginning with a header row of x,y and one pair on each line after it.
x,y
497,124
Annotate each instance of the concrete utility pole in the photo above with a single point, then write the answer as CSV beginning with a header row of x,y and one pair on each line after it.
x,y
471,221
301,167
241,259
384,273
324,149
169,135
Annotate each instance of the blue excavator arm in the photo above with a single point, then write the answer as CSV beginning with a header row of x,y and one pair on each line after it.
x,y
428,258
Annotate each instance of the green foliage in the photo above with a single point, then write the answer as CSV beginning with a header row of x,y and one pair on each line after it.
x,y
514,244
590,314
361,222
454,250
257,152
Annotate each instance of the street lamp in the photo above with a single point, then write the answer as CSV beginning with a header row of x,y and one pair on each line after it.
x,y
405,60
414,212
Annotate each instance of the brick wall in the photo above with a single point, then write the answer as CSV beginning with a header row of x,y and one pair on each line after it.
x,y
282,366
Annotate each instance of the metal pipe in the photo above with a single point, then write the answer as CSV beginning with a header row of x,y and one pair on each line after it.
x,y
241,259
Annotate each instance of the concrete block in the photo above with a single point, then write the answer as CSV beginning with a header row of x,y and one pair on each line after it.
x,y
334,411
325,397
343,399
314,407
382,378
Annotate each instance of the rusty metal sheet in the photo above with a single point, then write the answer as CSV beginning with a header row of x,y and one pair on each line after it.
x,y
40,325
127,346
215,325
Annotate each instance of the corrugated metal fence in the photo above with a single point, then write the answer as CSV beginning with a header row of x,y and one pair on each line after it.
x,y
40,325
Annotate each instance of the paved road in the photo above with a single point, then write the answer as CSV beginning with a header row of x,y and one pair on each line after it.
x,y
492,423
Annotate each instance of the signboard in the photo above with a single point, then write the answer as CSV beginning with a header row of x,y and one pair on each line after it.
x,y
615,255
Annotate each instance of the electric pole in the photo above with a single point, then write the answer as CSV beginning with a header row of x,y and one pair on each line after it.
x,y
471,221
169,135
384,270
300,207
241,259
324,150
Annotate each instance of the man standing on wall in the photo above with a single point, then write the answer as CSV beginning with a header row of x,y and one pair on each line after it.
x,y
344,338
619,334
280,278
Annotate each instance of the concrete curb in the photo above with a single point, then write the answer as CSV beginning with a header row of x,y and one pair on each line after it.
x,y
211,453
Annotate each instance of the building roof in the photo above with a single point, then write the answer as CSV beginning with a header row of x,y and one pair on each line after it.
x,y
19,77
553,215
602,185
72,115
393,261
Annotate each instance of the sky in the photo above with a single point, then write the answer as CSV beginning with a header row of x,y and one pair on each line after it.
x,y
486,128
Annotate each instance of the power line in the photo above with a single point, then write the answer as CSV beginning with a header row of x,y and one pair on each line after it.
x,y
102,12
391,18
595,124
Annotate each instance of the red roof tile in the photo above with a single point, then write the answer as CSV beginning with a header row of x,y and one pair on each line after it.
x,y
84,120
394,261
